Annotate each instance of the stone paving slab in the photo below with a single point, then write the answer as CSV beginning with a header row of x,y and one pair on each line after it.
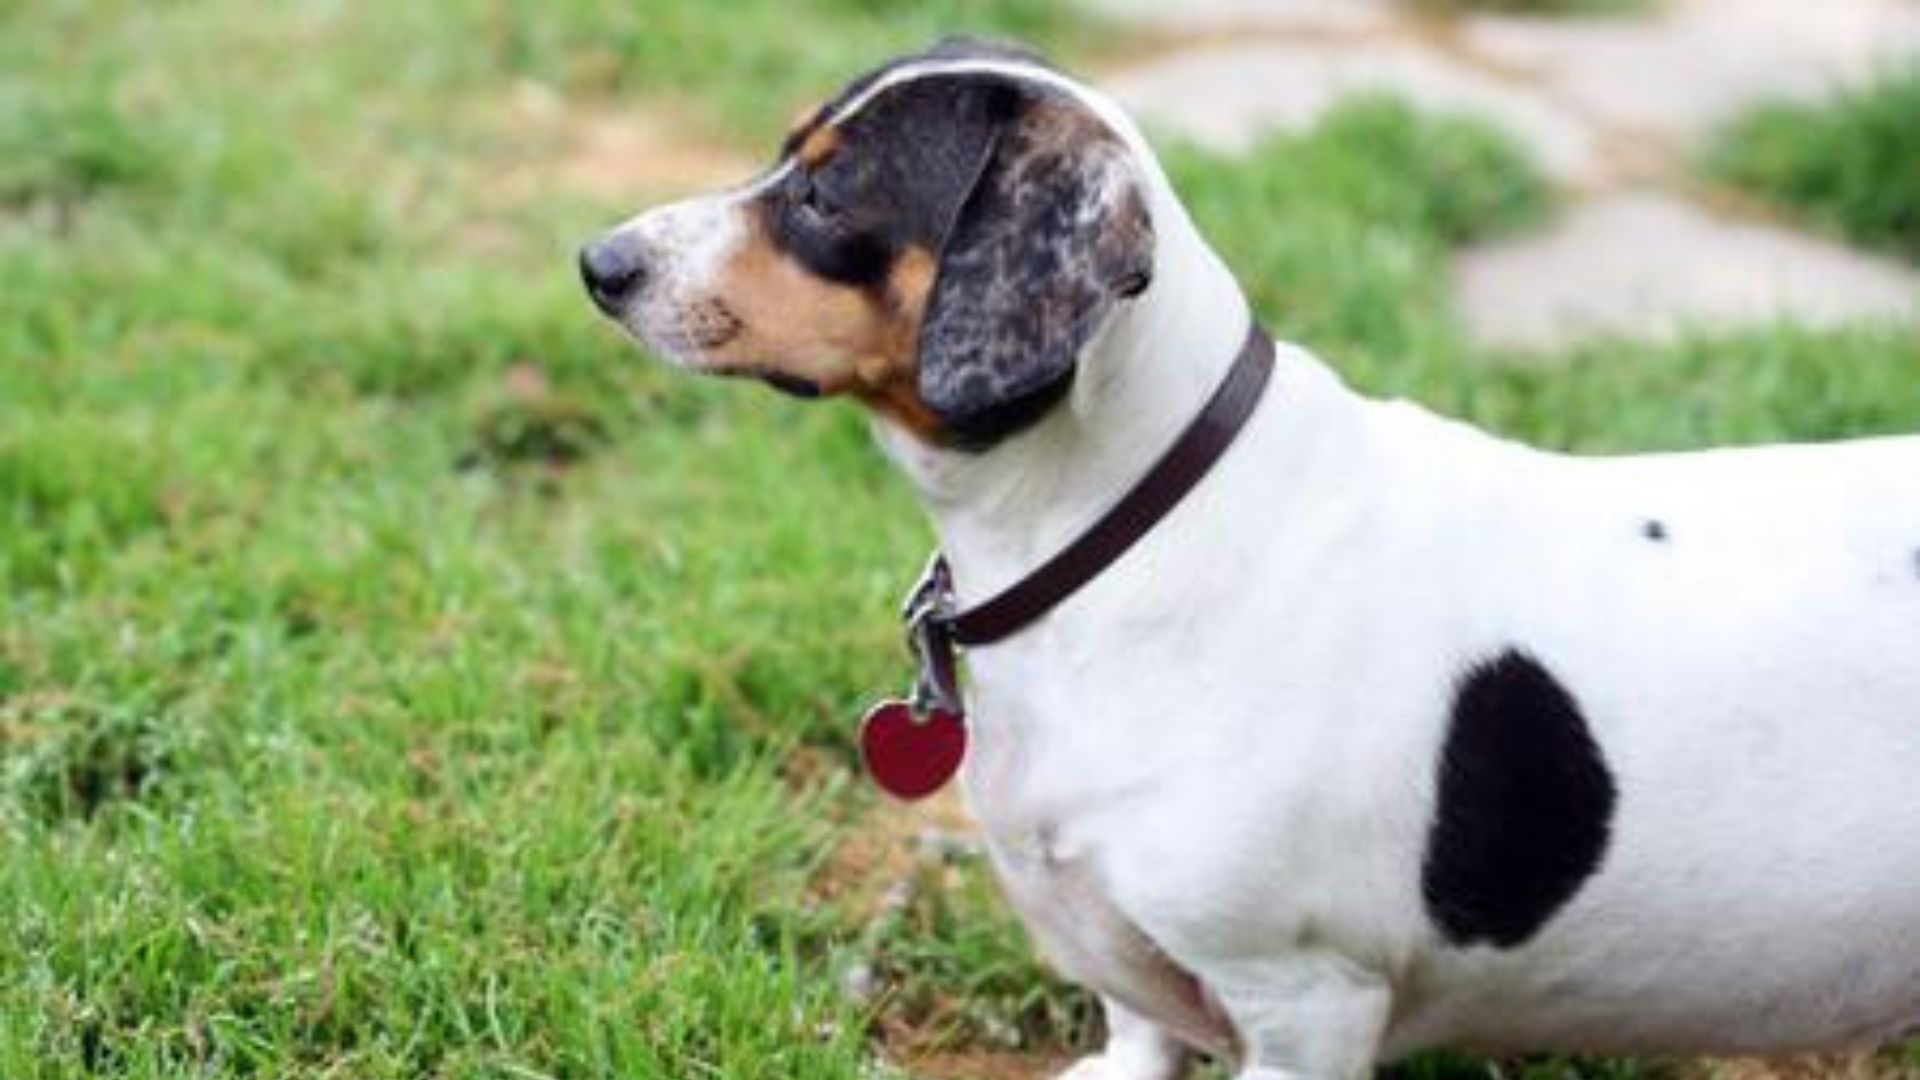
x,y
1699,61
1198,16
1602,102
1646,265
1226,97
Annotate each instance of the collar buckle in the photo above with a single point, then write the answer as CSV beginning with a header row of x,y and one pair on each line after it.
x,y
928,614
932,594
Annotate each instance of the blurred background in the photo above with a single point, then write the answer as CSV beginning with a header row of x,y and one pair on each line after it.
x,y
401,677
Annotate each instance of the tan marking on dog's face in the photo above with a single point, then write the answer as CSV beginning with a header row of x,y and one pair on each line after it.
x,y
898,396
912,277
802,118
801,328
802,124
819,145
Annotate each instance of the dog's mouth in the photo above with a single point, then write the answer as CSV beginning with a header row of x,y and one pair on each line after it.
x,y
692,341
792,385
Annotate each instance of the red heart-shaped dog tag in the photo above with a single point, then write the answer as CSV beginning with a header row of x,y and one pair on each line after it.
x,y
910,756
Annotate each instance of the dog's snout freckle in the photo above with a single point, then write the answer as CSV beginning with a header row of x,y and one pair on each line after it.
x,y
612,272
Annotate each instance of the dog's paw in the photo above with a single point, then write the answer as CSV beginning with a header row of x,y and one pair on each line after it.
x,y
1109,1067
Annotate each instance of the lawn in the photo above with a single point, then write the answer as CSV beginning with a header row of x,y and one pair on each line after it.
x,y
400,678
1850,162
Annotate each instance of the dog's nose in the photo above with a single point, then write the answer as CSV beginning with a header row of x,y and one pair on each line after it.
x,y
613,271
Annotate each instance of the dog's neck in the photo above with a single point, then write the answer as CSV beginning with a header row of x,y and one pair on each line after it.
x,y
1150,370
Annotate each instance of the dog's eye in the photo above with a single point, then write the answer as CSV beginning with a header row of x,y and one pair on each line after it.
x,y
810,197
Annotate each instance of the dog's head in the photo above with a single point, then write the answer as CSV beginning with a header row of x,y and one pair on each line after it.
x,y
940,241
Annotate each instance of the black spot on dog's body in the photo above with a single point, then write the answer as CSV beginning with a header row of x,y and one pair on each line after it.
x,y
1525,806
1655,530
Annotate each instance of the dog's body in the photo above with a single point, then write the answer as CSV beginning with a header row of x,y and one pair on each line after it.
x,y
1238,732
1394,734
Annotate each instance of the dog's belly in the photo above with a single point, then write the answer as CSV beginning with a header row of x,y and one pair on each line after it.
x,y
1747,997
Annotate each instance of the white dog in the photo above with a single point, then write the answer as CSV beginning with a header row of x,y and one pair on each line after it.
x,y
1392,734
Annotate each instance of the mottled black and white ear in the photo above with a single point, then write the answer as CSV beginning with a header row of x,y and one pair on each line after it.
x,y
1054,231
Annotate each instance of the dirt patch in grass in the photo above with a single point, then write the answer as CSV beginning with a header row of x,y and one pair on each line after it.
x,y
626,154
531,424
985,1065
885,848
953,985
67,759
1855,1066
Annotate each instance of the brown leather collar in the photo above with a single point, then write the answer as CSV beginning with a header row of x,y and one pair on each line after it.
x,y
934,628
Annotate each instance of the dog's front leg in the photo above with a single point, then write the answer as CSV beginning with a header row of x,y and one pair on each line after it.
x,y
1309,1016
1137,1049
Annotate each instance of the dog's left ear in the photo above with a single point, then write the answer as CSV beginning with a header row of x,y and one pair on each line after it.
x,y
1052,233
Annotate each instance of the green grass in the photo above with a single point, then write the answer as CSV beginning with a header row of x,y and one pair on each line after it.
x,y
398,678
1851,164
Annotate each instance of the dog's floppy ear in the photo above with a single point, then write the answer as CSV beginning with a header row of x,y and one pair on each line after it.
x,y
1053,231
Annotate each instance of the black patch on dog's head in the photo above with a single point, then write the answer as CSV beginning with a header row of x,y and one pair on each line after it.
x,y
1525,806
959,47
1655,530
903,160
897,169
1027,202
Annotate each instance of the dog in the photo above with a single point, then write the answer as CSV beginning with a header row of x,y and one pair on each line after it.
x,y
1393,734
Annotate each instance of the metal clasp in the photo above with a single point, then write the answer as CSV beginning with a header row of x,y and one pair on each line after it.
x,y
926,611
